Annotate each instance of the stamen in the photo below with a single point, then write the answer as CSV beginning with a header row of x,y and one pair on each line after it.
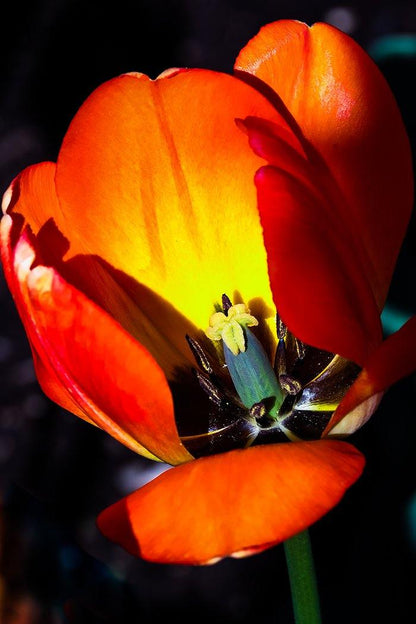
x,y
281,328
199,355
280,358
290,384
258,410
260,413
226,303
300,349
209,388
289,352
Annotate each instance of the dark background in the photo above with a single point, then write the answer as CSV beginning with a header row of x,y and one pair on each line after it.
x,y
57,473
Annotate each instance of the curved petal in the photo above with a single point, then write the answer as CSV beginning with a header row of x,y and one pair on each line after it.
x,y
32,194
394,359
32,199
228,503
319,288
155,178
346,110
86,361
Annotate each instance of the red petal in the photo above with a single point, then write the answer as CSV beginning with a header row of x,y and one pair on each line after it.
x,y
227,503
318,283
85,359
47,377
345,108
394,359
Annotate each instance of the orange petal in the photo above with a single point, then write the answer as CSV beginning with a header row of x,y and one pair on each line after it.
x,y
345,108
156,179
394,359
32,195
320,290
32,199
85,358
224,504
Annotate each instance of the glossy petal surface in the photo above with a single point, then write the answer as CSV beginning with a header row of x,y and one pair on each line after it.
x,y
227,503
178,211
394,359
346,111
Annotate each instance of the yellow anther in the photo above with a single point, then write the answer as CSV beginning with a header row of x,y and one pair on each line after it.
x,y
229,327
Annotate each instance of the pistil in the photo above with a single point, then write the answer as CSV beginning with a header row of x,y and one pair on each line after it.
x,y
248,364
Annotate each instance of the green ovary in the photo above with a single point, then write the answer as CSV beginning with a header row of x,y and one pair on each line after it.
x,y
250,369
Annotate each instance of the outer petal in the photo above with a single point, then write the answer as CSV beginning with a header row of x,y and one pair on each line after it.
x,y
47,377
344,107
32,199
155,178
319,287
86,359
394,359
228,503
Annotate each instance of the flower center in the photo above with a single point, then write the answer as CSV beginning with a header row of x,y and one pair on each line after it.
x,y
249,399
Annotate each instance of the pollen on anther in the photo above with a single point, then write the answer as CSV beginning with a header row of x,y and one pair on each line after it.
x,y
229,327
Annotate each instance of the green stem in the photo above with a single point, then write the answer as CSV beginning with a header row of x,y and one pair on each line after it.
x,y
302,578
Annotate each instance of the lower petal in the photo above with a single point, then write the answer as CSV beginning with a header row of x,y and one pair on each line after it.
x,y
237,501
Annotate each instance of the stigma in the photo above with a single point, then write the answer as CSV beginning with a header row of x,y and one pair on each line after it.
x,y
229,325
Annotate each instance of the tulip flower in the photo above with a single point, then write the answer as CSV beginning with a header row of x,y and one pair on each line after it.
x,y
201,274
